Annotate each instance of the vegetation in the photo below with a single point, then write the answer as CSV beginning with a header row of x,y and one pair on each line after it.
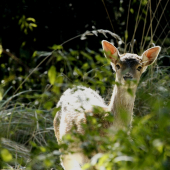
x,y
38,64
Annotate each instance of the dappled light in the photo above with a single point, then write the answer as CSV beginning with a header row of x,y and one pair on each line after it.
x,y
53,67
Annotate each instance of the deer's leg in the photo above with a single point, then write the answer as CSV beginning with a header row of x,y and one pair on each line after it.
x,y
73,161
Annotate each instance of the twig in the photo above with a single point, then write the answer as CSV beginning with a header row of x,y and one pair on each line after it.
x,y
150,25
160,18
162,32
151,41
15,58
165,38
136,25
127,26
141,50
108,15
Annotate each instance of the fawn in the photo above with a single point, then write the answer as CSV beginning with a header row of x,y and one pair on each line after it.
x,y
76,104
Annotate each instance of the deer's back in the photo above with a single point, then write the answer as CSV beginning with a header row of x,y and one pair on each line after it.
x,y
74,104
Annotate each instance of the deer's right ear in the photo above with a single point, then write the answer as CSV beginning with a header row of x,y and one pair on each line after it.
x,y
110,51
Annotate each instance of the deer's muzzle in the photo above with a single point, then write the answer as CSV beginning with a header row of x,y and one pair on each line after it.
x,y
128,76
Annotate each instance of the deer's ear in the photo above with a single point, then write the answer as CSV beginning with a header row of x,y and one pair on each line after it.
x,y
149,56
110,51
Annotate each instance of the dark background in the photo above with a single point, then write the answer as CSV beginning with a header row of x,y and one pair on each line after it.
x,y
58,21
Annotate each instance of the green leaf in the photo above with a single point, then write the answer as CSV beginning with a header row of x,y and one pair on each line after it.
x,y
43,149
47,162
56,47
55,110
59,57
86,166
131,10
52,74
78,71
31,19
1,49
6,156
34,54
48,105
59,80
22,26
85,66
23,44
33,25
30,27
130,91
86,55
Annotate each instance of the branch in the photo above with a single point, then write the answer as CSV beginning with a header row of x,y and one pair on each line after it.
x,y
16,59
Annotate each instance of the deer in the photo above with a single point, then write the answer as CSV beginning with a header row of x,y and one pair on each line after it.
x,y
76,104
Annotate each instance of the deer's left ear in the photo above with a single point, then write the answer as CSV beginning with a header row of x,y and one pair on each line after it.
x,y
110,51
150,55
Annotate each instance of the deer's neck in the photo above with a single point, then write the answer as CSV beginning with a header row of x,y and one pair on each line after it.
x,y
121,105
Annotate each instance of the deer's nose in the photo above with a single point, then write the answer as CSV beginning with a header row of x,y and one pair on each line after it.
x,y
128,76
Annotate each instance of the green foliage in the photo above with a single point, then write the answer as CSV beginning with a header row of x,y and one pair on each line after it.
x,y
26,115
27,127
27,23
1,50
6,155
52,74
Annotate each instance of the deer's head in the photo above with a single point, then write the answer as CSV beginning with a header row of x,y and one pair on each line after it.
x,y
129,66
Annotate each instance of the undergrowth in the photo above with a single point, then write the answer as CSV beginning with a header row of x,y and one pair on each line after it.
x,y
27,138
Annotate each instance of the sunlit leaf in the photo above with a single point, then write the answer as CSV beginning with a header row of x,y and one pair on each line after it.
x,y
48,105
56,47
1,49
52,74
33,25
131,10
47,162
31,19
34,54
6,156
86,166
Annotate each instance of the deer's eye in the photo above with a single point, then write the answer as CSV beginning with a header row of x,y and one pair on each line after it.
x,y
139,68
118,66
